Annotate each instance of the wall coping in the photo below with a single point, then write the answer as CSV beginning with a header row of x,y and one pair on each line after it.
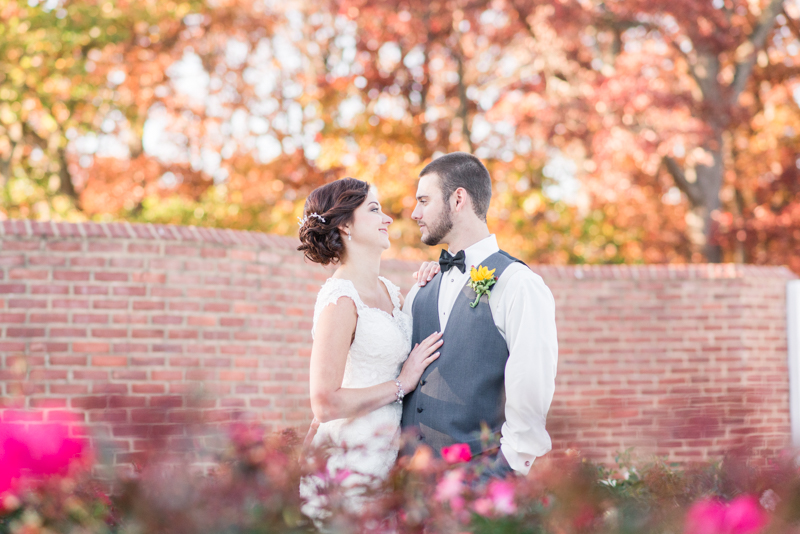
x,y
124,230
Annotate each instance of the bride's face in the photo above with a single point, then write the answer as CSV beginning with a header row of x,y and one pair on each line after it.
x,y
370,225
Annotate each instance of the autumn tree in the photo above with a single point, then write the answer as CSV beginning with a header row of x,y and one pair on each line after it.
x,y
668,88
624,132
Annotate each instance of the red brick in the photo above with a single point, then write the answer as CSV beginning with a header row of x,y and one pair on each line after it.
x,y
199,320
90,290
48,403
111,277
28,274
104,246
126,402
108,388
149,278
167,319
147,333
110,304
87,262
92,374
49,318
89,318
89,403
49,289
176,250
109,361
74,361
138,291
109,332
12,288
65,416
69,389
167,375
143,248
73,276
14,318
7,260
72,304
90,347
24,332
182,334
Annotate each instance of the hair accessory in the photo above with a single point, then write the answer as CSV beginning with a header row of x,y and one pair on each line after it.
x,y
304,220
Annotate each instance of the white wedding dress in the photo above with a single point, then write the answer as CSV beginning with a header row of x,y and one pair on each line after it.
x,y
362,449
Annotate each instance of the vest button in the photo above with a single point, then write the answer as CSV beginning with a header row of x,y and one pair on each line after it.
x,y
421,437
419,410
422,382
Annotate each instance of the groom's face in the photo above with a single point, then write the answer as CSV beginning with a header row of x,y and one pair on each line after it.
x,y
432,211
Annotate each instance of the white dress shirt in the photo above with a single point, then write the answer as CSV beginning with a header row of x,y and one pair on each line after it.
x,y
523,310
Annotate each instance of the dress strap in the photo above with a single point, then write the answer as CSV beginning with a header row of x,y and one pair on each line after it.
x,y
332,290
394,291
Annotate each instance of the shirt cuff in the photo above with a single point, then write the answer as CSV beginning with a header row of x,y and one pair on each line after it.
x,y
518,461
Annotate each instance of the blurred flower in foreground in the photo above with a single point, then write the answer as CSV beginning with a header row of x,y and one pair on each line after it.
x,y
39,450
450,489
458,452
743,515
497,500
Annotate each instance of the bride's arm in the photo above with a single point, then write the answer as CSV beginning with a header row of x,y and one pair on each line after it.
x,y
333,335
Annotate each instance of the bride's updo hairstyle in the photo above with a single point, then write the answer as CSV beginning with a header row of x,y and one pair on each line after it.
x,y
327,208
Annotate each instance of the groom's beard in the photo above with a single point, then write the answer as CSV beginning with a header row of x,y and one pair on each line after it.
x,y
439,229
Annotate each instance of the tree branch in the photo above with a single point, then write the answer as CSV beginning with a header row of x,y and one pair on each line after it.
x,y
463,110
754,44
692,190
791,23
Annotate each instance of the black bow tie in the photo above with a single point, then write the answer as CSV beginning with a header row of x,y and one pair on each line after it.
x,y
447,261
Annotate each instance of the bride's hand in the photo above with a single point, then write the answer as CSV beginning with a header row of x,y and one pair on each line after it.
x,y
426,272
420,358
312,431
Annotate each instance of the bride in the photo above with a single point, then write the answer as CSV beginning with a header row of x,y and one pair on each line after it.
x,y
362,362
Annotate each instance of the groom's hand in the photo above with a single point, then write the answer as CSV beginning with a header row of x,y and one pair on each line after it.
x,y
426,272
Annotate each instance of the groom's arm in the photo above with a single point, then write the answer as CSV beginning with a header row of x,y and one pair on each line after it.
x,y
409,300
526,319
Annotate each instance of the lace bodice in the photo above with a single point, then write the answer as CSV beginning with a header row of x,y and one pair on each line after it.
x,y
365,448
382,341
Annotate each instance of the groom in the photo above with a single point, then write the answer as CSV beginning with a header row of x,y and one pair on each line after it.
x,y
498,362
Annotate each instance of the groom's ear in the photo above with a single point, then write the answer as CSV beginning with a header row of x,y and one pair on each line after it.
x,y
461,198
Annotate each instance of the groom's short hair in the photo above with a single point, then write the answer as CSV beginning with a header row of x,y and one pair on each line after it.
x,y
459,169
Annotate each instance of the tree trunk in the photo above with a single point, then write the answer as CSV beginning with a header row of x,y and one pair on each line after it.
x,y
66,186
709,179
703,194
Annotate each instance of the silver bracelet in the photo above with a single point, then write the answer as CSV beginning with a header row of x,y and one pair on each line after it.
x,y
400,393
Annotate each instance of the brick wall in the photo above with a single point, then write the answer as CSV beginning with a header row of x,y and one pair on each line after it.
x,y
127,328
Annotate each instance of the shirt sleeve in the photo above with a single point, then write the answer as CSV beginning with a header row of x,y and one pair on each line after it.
x,y
527,321
409,300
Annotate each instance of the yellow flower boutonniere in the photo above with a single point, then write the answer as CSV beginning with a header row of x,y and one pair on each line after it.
x,y
481,279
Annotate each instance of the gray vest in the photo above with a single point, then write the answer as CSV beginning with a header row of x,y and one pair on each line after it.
x,y
465,386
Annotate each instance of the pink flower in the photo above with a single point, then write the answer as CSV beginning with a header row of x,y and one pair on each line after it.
x,y
743,515
458,452
483,506
502,494
51,449
42,449
450,488
705,517
341,476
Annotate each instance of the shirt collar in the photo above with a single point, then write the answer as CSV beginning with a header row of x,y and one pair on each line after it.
x,y
475,254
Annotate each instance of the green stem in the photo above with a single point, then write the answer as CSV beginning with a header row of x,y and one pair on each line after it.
x,y
476,301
